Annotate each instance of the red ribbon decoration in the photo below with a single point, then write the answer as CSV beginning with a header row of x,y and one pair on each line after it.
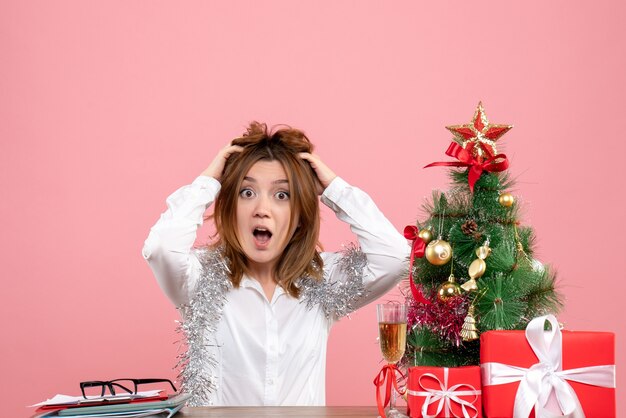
x,y
417,250
477,166
386,374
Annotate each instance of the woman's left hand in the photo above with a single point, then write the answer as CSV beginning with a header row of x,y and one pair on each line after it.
x,y
324,174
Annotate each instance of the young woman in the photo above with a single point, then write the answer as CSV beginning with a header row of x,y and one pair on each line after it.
x,y
258,304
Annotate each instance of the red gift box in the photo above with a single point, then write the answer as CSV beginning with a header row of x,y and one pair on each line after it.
x,y
445,392
550,368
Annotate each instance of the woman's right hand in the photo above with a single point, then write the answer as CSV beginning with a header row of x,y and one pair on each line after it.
x,y
216,168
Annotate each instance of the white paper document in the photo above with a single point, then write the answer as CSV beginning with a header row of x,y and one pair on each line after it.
x,y
71,400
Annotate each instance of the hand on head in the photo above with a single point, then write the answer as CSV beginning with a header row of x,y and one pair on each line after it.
x,y
216,168
291,139
324,174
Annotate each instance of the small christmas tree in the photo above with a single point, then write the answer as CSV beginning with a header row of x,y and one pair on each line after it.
x,y
472,263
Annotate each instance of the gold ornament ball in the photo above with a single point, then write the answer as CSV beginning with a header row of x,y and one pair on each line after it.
x,y
438,252
506,200
448,290
426,235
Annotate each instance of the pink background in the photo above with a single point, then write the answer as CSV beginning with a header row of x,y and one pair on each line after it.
x,y
108,107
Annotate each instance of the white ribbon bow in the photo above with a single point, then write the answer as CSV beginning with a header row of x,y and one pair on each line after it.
x,y
445,396
538,381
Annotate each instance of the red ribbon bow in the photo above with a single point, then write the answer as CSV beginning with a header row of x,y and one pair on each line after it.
x,y
477,165
417,250
386,374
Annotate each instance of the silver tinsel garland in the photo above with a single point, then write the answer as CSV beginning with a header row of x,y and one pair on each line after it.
x,y
201,316
337,298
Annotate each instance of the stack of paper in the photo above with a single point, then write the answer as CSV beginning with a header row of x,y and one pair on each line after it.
x,y
142,404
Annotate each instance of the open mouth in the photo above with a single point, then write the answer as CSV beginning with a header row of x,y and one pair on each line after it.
x,y
262,235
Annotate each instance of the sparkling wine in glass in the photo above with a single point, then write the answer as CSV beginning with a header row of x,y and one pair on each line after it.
x,y
392,338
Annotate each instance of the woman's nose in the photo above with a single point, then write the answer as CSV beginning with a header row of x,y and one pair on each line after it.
x,y
262,207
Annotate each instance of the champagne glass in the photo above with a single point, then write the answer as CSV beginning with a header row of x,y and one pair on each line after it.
x,y
392,338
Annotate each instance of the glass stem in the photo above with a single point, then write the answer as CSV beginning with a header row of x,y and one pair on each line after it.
x,y
392,401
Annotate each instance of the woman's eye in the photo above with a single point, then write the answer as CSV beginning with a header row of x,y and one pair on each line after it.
x,y
248,193
282,196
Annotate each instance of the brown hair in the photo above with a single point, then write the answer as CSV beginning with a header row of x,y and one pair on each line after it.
x,y
301,256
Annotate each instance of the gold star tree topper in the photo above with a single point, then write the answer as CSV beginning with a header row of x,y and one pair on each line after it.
x,y
479,136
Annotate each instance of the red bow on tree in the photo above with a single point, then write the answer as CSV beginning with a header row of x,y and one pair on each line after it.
x,y
498,162
417,250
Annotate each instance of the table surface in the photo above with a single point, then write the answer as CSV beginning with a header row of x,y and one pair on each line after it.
x,y
279,411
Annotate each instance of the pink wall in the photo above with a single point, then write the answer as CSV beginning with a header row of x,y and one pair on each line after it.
x,y
107,107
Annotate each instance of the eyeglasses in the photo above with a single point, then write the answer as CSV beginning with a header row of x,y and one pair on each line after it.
x,y
120,384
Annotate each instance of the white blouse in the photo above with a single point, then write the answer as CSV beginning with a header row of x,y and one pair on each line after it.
x,y
272,352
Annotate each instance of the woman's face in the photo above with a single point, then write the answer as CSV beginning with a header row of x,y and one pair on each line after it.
x,y
263,213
